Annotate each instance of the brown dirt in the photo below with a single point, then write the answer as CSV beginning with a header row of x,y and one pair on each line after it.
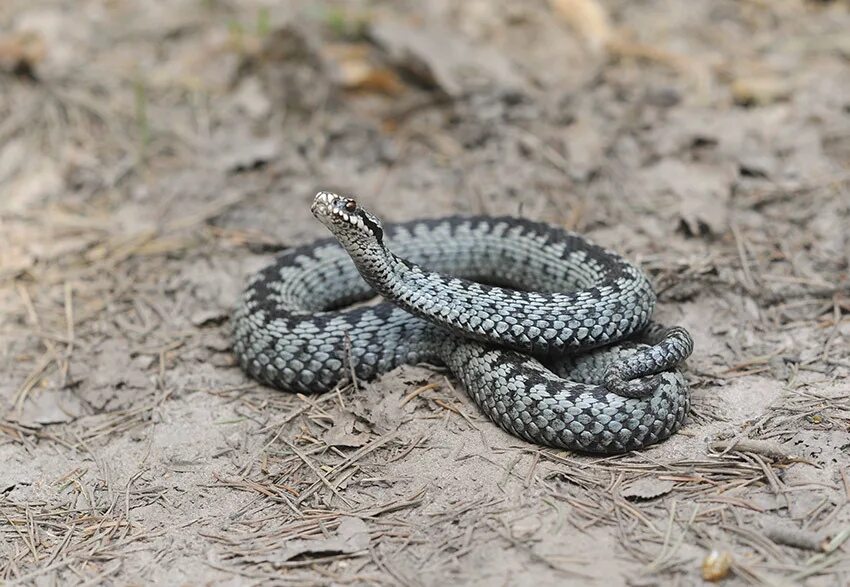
x,y
154,154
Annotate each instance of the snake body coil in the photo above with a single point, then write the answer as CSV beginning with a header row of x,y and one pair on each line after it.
x,y
556,348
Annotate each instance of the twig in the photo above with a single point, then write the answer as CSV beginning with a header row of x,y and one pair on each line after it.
x,y
317,472
764,447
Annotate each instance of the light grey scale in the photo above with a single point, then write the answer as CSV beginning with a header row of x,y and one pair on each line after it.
x,y
556,346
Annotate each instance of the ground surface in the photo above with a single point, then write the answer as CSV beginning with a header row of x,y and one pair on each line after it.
x,y
154,154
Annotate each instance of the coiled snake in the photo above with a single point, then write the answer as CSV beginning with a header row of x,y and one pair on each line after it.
x,y
549,334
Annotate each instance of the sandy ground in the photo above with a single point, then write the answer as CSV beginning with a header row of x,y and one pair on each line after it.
x,y
154,154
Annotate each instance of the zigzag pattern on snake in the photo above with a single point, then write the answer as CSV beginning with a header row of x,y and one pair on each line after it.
x,y
549,334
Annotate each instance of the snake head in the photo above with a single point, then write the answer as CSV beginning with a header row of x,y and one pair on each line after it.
x,y
345,218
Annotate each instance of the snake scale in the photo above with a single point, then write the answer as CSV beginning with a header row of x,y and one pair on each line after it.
x,y
549,334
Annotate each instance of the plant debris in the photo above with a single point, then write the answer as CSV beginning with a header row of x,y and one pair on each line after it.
x,y
153,156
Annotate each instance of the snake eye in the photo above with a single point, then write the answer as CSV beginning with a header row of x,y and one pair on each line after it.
x,y
350,205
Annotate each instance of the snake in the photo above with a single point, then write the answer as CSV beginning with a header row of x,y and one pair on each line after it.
x,y
549,334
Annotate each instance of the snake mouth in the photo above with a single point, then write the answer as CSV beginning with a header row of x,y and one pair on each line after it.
x,y
338,212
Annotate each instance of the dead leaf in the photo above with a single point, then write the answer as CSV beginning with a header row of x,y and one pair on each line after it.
x,y
21,52
585,147
218,343
648,488
380,406
15,256
759,91
252,99
28,181
789,534
49,406
342,432
355,69
241,151
209,317
588,19
443,59
703,191
110,379
352,536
